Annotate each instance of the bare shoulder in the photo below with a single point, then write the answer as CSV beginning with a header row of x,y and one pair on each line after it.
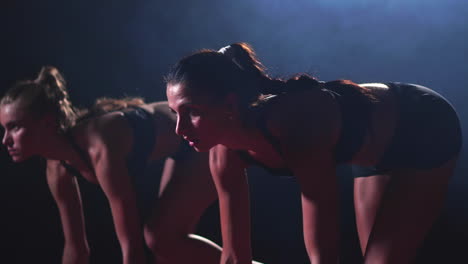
x,y
227,168
54,167
110,132
108,127
223,158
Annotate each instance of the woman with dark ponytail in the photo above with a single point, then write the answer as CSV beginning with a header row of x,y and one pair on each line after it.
x,y
110,145
407,137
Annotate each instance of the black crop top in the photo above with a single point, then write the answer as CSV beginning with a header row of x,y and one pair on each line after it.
x,y
353,131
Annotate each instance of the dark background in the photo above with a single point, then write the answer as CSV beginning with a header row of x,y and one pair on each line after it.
x,y
117,48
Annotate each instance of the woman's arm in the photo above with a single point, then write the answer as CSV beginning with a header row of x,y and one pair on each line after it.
x,y
115,181
110,143
320,209
65,190
228,172
308,134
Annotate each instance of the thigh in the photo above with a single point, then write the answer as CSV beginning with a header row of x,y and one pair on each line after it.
x,y
186,190
410,204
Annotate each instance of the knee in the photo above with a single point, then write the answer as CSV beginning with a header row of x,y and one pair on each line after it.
x,y
163,243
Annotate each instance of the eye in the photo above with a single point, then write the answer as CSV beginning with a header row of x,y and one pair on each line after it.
x,y
12,127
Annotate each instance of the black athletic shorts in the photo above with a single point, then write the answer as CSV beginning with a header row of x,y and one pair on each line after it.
x,y
427,133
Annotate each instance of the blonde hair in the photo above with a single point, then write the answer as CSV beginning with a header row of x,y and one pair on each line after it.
x,y
46,94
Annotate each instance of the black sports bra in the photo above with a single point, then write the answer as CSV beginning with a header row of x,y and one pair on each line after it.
x,y
276,145
353,131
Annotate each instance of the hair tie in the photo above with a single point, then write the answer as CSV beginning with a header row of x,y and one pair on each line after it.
x,y
224,49
231,54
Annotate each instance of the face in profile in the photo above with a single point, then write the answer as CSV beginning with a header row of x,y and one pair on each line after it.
x,y
22,131
201,120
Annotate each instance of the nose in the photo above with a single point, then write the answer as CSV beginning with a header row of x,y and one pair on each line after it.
x,y
180,126
6,138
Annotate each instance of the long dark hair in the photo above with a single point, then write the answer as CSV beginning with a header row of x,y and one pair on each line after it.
x,y
236,69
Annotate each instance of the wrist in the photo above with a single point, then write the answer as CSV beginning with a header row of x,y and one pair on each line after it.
x,y
227,258
81,248
133,255
74,254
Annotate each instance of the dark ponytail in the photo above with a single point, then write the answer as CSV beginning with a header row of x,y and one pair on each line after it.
x,y
353,99
46,94
236,68
52,82
349,89
243,55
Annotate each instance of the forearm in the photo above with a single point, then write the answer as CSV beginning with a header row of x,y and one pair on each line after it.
x,y
229,176
321,232
112,174
76,248
235,225
65,191
129,232
235,252
74,230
